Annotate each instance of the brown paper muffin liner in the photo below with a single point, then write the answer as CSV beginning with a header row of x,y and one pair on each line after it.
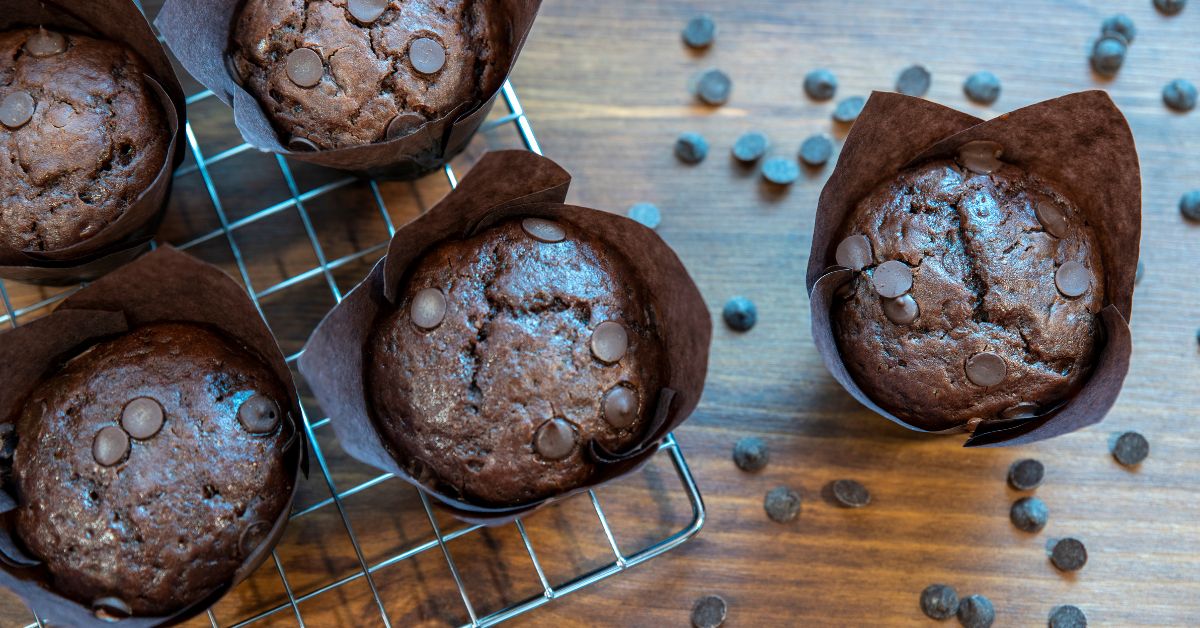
x,y
506,184
130,234
199,34
1079,141
164,285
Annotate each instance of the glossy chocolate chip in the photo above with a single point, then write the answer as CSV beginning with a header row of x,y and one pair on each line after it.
x,y
976,611
851,493
1180,95
259,414
45,43
646,213
302,145
1026,475
142,418
609,342
16,109
751,454
854,252
699,32
111,609
305,67
110,446
1067,616
691,148
1119,24
914,81
740,314
848,109
713,87
902,310
1170,7
1053,220
1029,514
544,230
892,279
1130,448
428,308
820,84
939,601
1067,554
816,150
252,536
782,504
620,406
980,156
427,55
1108,54
750,147
403,124
554,439
366,10
780,170
1072,279
1189,205
982,87
986,369
709,612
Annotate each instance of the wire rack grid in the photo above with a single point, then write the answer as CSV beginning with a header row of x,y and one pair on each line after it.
x,y
438,538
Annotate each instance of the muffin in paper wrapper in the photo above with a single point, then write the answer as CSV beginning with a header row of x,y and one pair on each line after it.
x,y
509,184
164,285
129,235
1080,142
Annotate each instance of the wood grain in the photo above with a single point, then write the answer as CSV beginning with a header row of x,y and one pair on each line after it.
x,y
604,84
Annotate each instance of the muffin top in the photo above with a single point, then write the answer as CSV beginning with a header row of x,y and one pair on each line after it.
x,y
975,298
337,73
150,466
82,135
507,354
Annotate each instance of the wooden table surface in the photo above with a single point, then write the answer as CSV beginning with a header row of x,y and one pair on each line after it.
x,y
604,84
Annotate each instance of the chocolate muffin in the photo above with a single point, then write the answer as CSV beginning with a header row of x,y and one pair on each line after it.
x,y
83,135
975,296
148,468
507,354
337,73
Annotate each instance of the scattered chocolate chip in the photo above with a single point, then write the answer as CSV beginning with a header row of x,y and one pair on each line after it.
x,y
426,55
428,308
1130,448
555,439
854,252
1169,7
543,230
914,81
691,148
939,601
1053,220
16,109
816,150
848,109
982,87
1026,475
712,87
986,369
111,609
1180,95
259,414
699,32
1029,514
1189,205
1067,554
1119,24
981,156
709,612
620,406
750,147
252,536
1072,279
302,145
142,418
780,170
740,314
110,445
976,611
304,67
1067,616
403,124
892,279
902,310
782,504
750,454
1108,55
851,494
609,342
366,11
820,84
646,213
45,43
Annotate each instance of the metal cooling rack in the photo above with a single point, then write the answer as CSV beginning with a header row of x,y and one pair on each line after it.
x,y
438,540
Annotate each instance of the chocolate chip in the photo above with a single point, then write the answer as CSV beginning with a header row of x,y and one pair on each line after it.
x,y
45,43
1022,410
1053,220
1180,95
403,124
914,81
816,150
252,536
142,418
1169,7
1108,54
426,55
986,369
848,109
1029,514
16,109
302,145
982,87
620,406
1067,554
544,230
1130,448
892,279
782,504
750,147
780,170
1189,205
646,213
740,314
691,148
428,308
1026,475
259,414
939,601
1072,279
1067,616
854,252
820,84
1119,24
712,87
366,11
304,67
976,611
609,342
980,156
111,609
851,494
709,612
750,454
902,310
110,446
699,32
554,439
60,115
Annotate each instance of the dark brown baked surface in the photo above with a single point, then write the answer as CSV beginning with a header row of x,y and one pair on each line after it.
x,y
170,521
96,139
366,77
995,336
476,403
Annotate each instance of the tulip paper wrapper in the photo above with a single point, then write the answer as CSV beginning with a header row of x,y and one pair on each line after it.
x,y
130,234
502,185
1079,141
164,285
199,35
